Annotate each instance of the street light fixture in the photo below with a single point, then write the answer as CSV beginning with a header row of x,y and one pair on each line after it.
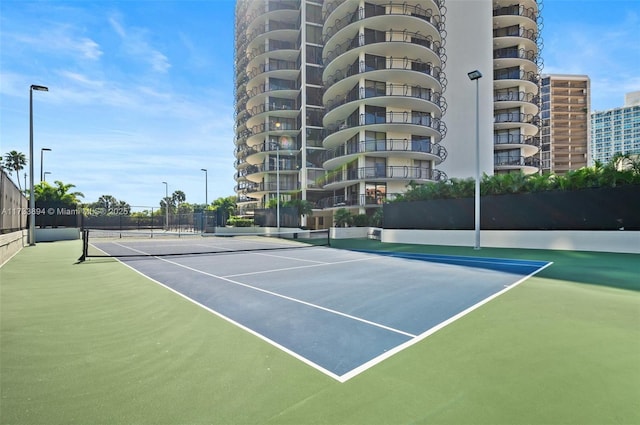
x,y
32,199
41,162
166,205
476,75
44,177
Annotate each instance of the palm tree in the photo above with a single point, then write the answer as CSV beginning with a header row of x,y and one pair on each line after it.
x,y
15,161
59,193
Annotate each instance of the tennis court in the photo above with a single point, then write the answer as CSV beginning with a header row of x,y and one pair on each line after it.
x,y
99,343
338,311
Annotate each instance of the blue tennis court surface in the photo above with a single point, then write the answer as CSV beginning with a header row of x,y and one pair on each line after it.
x,y
339,311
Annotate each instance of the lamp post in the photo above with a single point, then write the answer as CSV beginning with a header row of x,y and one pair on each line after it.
x,y
206,189
32,199
278,180
476,75
44,176
166,205
42,162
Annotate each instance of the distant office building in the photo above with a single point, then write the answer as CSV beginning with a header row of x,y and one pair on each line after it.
x,y
344,103
565,132
616,130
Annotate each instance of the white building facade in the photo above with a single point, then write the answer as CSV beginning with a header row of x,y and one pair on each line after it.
x,y
616,131
348,102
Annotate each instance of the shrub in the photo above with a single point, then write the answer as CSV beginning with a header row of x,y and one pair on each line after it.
x,y
240,222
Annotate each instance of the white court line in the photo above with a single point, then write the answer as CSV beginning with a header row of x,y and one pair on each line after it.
x,y
431,331
296,267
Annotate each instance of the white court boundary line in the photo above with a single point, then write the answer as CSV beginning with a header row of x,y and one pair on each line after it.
x,y
356,371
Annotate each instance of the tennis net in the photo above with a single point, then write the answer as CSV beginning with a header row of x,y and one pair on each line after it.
x,y
107,243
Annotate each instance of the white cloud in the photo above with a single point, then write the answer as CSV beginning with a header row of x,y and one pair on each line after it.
x,y
138,48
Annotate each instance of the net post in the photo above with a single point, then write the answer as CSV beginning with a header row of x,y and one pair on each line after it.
x,y
85,245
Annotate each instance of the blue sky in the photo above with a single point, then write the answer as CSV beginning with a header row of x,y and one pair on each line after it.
x,y
141,92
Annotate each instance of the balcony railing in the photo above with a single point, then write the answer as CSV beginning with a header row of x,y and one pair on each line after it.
x,y
263,168
385,173
384,9
518,117
386,145
390,118
273,26
356,200
515,74
519,96
516,10
515,139
392,36
391,90
514,53
361,67
273,65
269,87
516,161
516,31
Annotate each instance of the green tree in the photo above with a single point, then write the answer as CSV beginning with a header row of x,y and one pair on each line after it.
x,y
60,192
303,206
15,161
228,205
342,218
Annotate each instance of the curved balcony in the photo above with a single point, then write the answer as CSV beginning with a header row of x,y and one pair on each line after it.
x,y
277,68
342,178
528,165
408,122
280,30
339,79
520,99
257,153
513,14
258,133
512,56
527,122
340,201
516,35
528,145
257,172
284,50
417,149
258,13
343,54
525,79
262,188
415,98
257,113
411,18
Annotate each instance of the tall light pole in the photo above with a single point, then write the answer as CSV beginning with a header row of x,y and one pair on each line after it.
x,y
206,189
166,205
42,162
476,75
32,199
44,176
278,186
278,180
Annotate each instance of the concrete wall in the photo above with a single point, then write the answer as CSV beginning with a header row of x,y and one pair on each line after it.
x,y
57,234
604,241
11,244
469,46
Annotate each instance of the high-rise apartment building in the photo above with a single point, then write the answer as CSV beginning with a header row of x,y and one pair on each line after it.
x,y
616,131
565,134
344,103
